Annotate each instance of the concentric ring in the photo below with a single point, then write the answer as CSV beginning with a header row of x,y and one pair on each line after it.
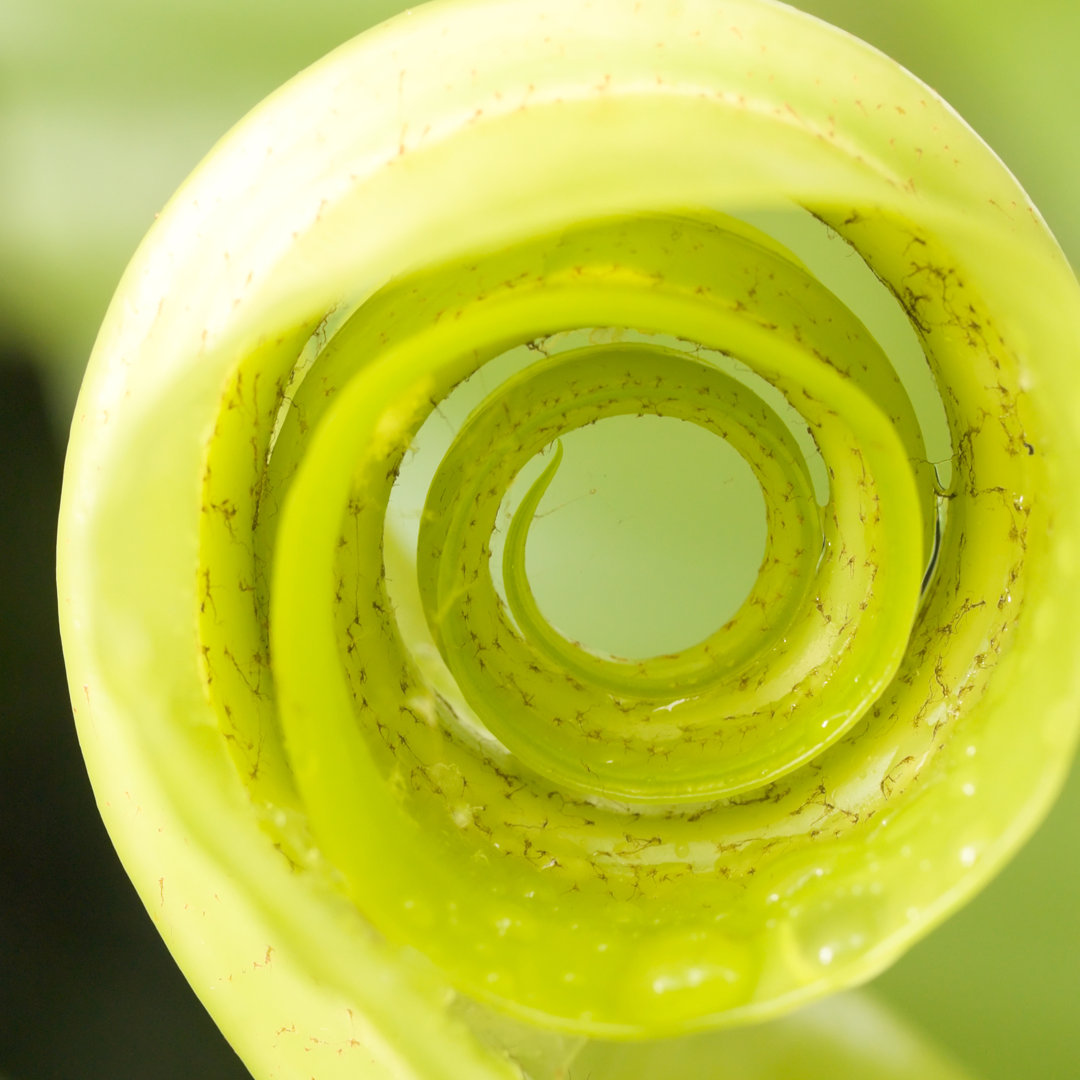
x,y
469,807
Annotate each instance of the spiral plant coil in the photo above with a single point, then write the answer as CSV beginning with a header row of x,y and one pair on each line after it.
x,y
393,820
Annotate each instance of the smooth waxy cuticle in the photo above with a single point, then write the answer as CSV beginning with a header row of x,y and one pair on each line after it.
x,y
373,764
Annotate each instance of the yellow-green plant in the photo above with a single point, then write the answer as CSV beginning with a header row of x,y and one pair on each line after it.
x,y
392,821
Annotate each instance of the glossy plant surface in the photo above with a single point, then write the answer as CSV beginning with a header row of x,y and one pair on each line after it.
x,y
390,815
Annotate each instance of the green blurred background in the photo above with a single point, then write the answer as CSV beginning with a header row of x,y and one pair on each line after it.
x,y
104,108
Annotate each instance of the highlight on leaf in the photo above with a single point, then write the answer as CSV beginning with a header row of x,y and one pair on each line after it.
x,y
392,817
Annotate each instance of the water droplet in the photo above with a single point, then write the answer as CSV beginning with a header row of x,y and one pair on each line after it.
x,y
684,975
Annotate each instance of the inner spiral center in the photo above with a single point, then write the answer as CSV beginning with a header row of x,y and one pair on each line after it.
x,y
649,537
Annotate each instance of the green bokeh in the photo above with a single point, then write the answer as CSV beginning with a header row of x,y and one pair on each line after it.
x,y
104,108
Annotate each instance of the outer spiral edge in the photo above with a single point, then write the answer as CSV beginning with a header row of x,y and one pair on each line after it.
x,y
146,766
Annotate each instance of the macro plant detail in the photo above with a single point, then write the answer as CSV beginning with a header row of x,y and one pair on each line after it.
x,y
391,819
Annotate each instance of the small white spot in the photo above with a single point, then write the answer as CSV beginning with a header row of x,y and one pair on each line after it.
x,y
668,708
425,707
968,855
825,954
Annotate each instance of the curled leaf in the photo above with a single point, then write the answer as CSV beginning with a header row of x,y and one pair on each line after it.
x,y
391,818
